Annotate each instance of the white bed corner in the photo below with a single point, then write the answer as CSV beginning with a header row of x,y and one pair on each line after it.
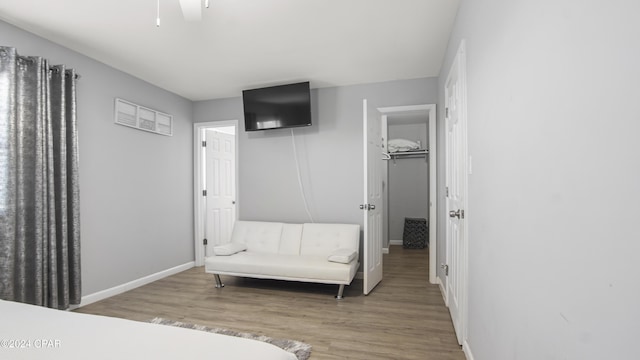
x,y
33,332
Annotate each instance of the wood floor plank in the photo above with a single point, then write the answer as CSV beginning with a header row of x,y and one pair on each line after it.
x,y
403,318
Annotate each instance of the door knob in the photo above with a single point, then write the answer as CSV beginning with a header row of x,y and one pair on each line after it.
x,y
372,207
453,213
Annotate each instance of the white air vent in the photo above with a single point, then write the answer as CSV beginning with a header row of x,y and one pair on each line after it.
x,y
142,118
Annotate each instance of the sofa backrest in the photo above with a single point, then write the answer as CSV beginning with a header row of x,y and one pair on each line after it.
x,y
293,239
290,240
323,239
259,236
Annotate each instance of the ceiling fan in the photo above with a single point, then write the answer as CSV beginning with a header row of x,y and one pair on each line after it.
x,y
192,9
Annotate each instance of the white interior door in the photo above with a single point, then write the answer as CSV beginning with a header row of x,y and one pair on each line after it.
x,y
220,188
372,205
456,176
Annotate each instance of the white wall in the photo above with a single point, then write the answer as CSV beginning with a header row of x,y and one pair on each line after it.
x,y
135,187
553,198
330,152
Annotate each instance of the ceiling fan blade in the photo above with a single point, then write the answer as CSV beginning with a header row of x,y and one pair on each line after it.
x,y
191,9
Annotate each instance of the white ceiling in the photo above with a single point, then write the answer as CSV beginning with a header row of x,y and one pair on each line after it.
x,y
241,44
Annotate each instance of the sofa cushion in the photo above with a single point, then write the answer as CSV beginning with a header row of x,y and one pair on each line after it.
x,y
323,239
285,267
343,256
263,237
229,249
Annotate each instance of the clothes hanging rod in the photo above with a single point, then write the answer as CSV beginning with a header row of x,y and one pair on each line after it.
x,y
408,153
405,155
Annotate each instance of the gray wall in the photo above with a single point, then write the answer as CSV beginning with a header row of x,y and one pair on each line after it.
x,y
553,132
330,153
135,187
408,181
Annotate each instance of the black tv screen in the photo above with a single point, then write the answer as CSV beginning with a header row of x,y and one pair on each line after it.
x,y
277,107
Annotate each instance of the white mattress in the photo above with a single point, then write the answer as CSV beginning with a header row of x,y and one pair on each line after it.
x,y
40,333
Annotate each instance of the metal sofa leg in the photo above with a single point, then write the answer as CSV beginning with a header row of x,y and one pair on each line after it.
x,y
219,283
340,291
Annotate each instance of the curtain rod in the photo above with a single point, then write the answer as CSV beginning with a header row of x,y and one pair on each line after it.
x,y
32,59
76,76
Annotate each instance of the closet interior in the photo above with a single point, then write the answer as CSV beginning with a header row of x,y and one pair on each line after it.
x,y
406,186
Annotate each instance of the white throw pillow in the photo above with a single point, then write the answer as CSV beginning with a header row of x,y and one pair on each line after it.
x,y
229,249
343,256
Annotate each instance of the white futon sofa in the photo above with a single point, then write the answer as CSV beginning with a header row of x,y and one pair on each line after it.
x,y
319,253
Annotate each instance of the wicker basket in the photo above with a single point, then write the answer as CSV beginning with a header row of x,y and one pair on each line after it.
x,y
415,233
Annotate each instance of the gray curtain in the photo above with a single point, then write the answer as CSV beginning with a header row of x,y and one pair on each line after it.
x,y
39,200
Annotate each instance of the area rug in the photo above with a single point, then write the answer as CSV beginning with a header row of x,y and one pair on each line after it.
x,y
301,350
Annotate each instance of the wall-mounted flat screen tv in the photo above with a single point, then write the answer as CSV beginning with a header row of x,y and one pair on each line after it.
x,y
277,107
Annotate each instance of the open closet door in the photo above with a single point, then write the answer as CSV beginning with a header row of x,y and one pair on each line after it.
x,y
456,181
372,206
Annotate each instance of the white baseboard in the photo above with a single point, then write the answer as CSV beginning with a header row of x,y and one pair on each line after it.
x,y
385,250
101,295
467,350
395,242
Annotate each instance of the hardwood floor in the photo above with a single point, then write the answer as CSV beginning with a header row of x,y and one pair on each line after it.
x,y
403,318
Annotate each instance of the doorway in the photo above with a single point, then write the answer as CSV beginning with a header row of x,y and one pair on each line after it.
x,y
418,122
215,185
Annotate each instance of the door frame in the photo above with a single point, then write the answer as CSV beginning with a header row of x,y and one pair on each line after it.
x,y
430,111
199,209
